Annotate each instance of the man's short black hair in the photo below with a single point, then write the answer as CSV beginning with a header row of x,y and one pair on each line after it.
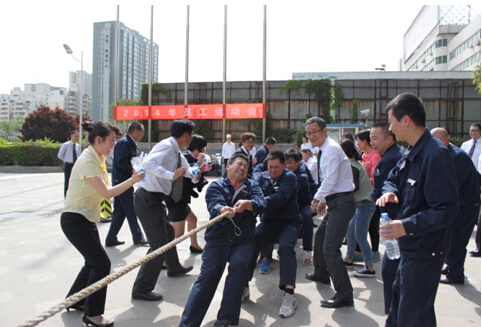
x,y
476,124
349,137
238,155
385,126
181,126
135,126
273,155
270,141
292,153
321,123
407,104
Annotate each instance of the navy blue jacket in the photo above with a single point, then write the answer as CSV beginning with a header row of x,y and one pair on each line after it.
x,y
311,182
261,154
221,193
282,198
304,192
468,177
425,184
389,160
124,150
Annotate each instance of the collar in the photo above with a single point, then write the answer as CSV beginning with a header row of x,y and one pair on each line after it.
x,y
130,137
325,144
174,143
412,151
192,155
244,150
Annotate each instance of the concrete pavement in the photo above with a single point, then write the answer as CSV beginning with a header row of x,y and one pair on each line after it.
x,y
38,266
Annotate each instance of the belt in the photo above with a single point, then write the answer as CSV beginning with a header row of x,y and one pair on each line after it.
x,y
336,195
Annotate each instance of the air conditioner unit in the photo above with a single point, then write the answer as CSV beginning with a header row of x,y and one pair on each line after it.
x,y
477,42
423,60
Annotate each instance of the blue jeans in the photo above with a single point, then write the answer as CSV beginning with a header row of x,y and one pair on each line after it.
x,y
358,229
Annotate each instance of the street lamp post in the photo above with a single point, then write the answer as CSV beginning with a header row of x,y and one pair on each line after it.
x,y
70,52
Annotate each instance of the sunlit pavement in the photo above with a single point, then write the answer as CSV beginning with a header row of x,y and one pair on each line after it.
x,y
38,266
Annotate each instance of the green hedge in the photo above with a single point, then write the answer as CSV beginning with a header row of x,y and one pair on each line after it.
x,y
29,154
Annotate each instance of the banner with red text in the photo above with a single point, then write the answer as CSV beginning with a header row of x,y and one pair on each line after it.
x,y
196,111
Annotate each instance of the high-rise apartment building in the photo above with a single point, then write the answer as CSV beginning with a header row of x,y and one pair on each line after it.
x,y
133,66
443,38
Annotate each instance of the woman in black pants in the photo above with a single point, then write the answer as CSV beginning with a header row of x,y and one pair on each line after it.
x,y
88,184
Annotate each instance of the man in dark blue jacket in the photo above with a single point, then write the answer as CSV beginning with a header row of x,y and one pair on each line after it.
x,y
469,206
384,143
231,240
280,224
425,185
263,151
124,150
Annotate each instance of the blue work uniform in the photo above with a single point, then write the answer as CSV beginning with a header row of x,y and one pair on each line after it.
x,y
425,184
468,179
389,267
279,223
225,243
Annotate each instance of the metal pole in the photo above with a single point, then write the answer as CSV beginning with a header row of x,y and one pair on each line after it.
x,y
264,72
224,66
81,96
149,122
116,71
186,81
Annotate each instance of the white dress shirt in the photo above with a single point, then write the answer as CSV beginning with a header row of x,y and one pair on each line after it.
x,y
335,171
475,156
66,153
312,165
308,146
160,165
228,150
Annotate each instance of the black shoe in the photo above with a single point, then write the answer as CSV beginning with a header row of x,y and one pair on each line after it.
x,y
445,280
142,241
315,278
180,271
475,254
76,306
336,303
195,250
147,296
221,323
89,322
445,271
105,220
115,243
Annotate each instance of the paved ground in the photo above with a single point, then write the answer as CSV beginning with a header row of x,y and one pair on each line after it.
x,y
38,266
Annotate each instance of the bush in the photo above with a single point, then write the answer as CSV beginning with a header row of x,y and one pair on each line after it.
x,y
30,154
456,141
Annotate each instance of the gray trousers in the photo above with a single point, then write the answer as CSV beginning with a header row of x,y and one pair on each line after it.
x,y
151,213
327,256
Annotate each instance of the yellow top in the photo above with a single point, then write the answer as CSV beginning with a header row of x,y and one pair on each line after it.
x,y
81,197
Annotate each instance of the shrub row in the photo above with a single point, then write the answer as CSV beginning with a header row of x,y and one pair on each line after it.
x,y
30,154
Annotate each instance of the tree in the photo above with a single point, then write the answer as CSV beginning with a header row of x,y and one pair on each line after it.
x,y
12,125
476,76
123,124
44,122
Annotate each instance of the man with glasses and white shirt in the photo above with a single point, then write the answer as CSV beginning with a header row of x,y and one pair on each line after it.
x,y
472,146
335,180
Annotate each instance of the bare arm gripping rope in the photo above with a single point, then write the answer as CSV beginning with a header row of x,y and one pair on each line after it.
x,y
110,278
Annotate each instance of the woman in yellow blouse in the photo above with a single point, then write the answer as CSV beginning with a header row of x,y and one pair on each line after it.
x,y
88,184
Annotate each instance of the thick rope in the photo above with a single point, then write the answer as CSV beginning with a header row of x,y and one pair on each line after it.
x,y
110,278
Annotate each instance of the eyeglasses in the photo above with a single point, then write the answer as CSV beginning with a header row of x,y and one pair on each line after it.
x,y
313,132
474,130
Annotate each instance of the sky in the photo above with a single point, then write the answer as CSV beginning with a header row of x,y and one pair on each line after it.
x,y
301,37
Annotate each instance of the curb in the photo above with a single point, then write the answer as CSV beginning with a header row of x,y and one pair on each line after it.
x,y
31,169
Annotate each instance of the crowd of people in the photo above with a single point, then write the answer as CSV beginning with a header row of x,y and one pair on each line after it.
x,y
348,184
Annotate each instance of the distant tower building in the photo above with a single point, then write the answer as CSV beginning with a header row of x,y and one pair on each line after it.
x,y
443,38
133,66
73,96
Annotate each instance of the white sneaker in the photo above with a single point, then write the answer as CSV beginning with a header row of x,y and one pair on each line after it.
x,y
246,294
307,259
289,306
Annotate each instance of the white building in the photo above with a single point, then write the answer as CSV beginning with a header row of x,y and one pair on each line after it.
x,y
443,38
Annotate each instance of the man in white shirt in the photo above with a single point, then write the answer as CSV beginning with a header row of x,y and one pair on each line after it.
x,y
69,156
311,163
472,146
165,168
335,180
228,150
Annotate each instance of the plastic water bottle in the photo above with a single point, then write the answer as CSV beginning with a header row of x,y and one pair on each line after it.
x,y
195,173
391,246
136,163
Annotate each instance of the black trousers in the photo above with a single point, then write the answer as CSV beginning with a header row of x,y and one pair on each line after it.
x,y
67,172
84,235
151,213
